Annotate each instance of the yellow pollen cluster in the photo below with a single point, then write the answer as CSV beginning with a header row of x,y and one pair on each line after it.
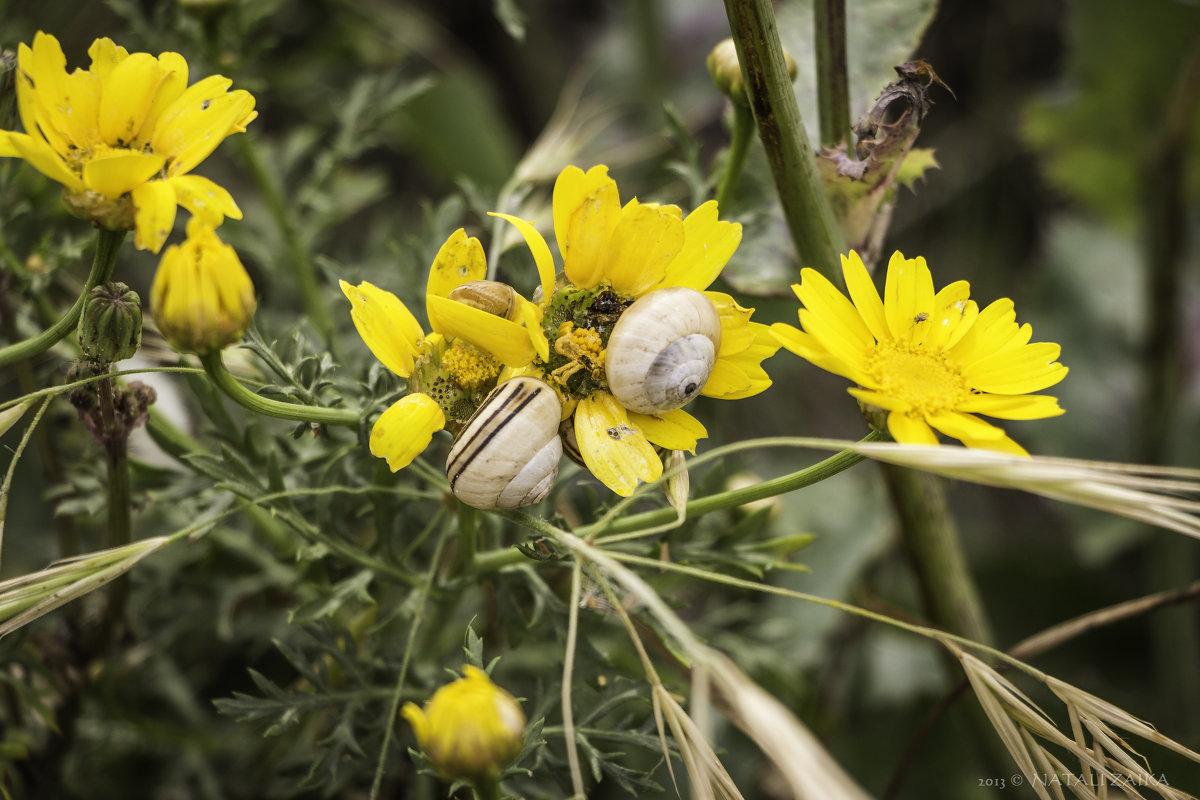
x,y
928,381
583,347
469,367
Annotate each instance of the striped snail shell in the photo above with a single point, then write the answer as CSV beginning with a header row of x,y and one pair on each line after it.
x,y
507,454
494,297
662,350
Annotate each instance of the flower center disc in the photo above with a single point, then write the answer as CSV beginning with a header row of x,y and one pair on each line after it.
x,y
928,382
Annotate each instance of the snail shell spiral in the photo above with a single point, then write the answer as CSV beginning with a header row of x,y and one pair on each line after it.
x,y
508,452
662,350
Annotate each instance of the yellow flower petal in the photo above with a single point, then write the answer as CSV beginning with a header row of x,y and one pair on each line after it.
x,y
198,120
613,447
508,341
174,83
907,294
204,198
808,348
531,315
586,209
387,327
405,429
126,97
864,295
43,158
40,72
1023,406
708,245
542,258
105,56
120,171
908,429
833,319
81,95
458,260
645,240
674,430
964,426
154,206
888,402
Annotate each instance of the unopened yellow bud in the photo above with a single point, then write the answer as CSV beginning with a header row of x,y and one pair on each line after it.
x,y
202,298
726,71
470,728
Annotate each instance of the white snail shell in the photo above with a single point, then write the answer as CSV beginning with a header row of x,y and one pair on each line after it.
x,y
508,452
494,297
662,350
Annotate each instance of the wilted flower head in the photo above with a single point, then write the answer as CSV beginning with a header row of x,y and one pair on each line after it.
x,y
628,334
930,361
123,135
202,299
470,728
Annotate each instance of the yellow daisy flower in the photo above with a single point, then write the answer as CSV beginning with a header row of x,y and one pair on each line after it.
x,y
123,135
931,361
470,728
449,372
202,299
645,262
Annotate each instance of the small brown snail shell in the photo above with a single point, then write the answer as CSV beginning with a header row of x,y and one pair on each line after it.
x,y
494,297
508,452
662,350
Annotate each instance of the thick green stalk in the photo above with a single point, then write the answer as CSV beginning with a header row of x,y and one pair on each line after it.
x,y
810,218
1172,561
108,243
735,158
299,257
833,85
297,412
932,542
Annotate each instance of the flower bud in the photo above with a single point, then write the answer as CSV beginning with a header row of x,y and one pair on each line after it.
x,y
202,299
110,328
726,71
470,728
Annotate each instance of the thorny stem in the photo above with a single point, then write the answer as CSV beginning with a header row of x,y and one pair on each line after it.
x,y
810,218
735,158
833,85
301,262
108,244
297,412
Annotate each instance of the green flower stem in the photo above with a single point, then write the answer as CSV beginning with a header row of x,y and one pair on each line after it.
x,y
116,449
833,85
932,542
487,788
735,159
108,243
810,218
297,412
494,560
737,497
301,263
